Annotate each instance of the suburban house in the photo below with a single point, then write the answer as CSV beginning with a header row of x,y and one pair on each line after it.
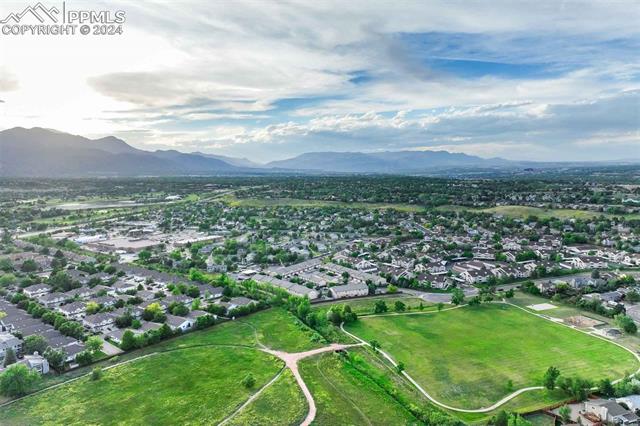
x,y
121,287
37,290
238,302
610,411
288,286
99,322
73,310
179,323
9,341
51,300
349,290
36,362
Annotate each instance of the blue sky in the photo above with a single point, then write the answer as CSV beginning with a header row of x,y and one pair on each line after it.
x,y
521,80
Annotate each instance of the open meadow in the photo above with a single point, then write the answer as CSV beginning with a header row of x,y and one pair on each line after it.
x,y
189,379
472,357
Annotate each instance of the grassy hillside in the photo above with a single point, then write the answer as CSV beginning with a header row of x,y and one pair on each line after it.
x,y
186,386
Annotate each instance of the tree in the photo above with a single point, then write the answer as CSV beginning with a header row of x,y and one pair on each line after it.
x,y
124,320
17,380
334,315
501,419
144,255
626,323
509,294
605,388
129,341
35,343
565,413
400,367
380,307
249,381
375,345
55,358
440,306
8,280
94,344
304,307
632,296
550,377
152,312
516,419
399,306
6,264
457,296
62,282
9,357
179,309
475,301
392,289
85,357
29,265
96,373
348,316
92,308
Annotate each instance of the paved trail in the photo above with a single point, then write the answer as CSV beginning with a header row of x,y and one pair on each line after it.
x,y
435,401
291,359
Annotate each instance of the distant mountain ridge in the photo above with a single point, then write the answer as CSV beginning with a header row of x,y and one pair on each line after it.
x,y
40,152
384,162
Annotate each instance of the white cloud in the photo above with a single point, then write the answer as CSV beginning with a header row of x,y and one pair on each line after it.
x,y
211,76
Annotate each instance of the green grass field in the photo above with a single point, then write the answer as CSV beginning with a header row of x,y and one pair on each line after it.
x,y
268,409
195,376
187,386
466,357
522,212
293,202
345,396
366,306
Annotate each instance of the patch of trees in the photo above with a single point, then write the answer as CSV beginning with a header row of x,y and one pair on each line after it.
x,y
60,322
17,380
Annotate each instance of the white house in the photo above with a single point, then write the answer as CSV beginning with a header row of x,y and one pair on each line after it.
x,y
99,322
349,290
179,323
9,341
611,412
37,290
36,362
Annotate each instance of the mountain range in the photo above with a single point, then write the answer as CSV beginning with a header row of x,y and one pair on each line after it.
x,y
39,152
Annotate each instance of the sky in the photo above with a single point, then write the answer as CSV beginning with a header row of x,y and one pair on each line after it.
x,y
528,80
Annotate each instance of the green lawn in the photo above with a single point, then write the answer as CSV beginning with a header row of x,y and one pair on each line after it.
x,y
186,386
366,306
293,202
344,396
522,212
465,357
268,409
276,328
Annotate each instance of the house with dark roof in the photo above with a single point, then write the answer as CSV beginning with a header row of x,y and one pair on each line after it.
x,y
611,412
179,323
37,290
99,322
